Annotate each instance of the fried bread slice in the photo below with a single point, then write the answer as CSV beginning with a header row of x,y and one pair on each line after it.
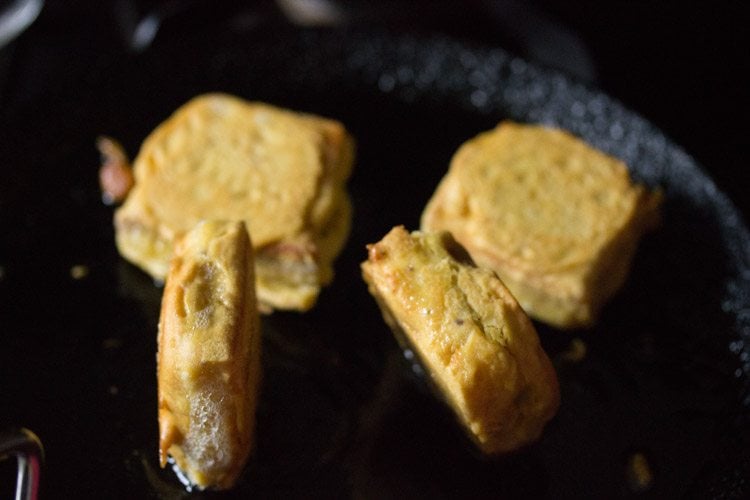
x,y
219,157
208,362
477,344
289,272
558,220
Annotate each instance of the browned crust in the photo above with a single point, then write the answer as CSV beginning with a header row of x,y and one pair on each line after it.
x,y
557,220
477,344
284,174
208,361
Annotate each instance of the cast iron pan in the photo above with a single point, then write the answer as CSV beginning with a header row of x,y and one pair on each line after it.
x,y
342,413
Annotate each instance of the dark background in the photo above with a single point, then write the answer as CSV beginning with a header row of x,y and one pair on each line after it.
x,y
682,65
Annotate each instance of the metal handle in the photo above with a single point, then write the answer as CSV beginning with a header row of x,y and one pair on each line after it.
x,y
27,448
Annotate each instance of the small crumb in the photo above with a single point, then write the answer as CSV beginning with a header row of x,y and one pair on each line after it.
x,y
639,473
576,351
113,390
79,271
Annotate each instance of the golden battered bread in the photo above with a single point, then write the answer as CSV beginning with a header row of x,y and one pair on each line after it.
x,y
208,364
223,158
475,341
556,219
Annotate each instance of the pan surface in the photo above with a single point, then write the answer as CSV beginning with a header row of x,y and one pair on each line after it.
x,y
342,413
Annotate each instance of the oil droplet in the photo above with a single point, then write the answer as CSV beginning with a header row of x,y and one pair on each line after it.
x,y
640,477
576,351
79,271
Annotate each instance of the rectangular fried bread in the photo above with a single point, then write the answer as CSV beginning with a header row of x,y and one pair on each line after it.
x,y
556,219
208,362
476,343
219,157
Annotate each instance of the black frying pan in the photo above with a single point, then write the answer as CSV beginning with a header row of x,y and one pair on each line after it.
x,y
342,413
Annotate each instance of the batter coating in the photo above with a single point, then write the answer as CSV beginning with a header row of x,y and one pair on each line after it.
x,y
556,219
208,363
478,346
222,158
